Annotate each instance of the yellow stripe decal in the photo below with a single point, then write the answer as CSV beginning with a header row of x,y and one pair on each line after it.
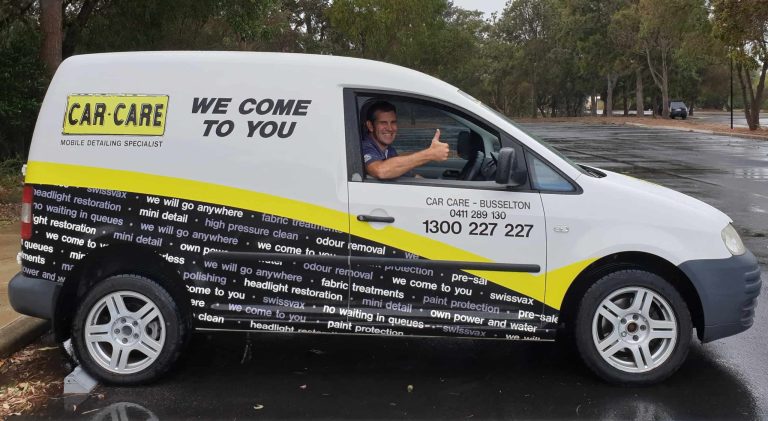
x,y
129,181
558,281
531,285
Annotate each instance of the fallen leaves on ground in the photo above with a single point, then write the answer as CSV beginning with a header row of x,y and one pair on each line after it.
x,y
27,380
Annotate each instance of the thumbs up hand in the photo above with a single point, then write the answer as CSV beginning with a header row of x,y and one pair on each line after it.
x,y
438,150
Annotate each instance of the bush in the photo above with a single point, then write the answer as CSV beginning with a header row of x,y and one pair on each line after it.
x,y
22,87
11,180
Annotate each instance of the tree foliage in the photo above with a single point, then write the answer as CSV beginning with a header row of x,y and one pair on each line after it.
x,y
663,31
535,58
743,27
22,78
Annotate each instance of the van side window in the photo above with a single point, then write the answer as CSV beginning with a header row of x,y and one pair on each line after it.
x,y
472,147
544,178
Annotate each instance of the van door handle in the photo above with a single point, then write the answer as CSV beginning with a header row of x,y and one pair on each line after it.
x,y
374,218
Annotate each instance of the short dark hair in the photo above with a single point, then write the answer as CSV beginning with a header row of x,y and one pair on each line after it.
x,y
377,106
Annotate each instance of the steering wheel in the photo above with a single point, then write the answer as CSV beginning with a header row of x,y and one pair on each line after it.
x,y
476,166
488,169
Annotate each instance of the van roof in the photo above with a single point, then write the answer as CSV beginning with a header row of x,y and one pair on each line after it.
x,y
345,71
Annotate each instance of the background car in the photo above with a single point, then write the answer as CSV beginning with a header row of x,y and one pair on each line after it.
x,y
676,109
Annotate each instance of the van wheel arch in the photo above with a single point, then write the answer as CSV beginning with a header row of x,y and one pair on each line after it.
x,y
116,260
622,261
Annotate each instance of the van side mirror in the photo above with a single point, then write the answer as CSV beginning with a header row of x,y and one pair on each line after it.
x,y
507,172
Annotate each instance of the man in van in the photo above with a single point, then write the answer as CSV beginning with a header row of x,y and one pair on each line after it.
x,y
380,157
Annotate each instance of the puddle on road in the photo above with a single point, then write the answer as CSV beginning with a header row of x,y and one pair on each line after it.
x,y
751,173
748,233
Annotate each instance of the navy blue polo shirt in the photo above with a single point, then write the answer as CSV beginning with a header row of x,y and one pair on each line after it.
x,y
372,153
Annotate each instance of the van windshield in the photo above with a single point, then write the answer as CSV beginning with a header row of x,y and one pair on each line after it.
x,y
531,135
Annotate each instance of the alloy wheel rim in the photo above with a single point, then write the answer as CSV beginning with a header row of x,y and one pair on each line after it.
x,y
634,330
124,332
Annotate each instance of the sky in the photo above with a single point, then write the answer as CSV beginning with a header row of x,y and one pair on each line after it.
x,y
485,6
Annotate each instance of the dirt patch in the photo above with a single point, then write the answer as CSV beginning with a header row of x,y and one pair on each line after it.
x,y
761,133
30,378
9,213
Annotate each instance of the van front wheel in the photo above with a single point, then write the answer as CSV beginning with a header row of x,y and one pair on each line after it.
x,y
127,330
633,327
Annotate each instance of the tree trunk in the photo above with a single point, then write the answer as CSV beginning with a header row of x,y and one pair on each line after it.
x,y
626,102
664,90
611,80
50,25
593,108
661,81
639,92
758,101
553,107
568,106
75,28
608,104
747,95
533,92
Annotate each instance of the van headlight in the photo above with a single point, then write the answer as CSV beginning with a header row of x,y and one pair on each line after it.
x,y
732,240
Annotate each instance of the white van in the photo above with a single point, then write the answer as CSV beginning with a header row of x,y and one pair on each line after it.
x,y
171,192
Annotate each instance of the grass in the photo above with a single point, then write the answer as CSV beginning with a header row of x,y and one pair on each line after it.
x,y
11,180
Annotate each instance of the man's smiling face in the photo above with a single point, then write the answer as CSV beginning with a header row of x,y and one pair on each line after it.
x,y
383,128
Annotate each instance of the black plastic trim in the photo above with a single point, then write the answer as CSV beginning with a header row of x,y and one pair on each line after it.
x,y
436,182
356,260
33,296
727,289
352,131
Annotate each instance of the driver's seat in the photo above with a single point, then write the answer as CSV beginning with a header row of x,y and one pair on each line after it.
x,y
470,147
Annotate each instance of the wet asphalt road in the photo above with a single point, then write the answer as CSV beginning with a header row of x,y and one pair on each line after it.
x,y
324,376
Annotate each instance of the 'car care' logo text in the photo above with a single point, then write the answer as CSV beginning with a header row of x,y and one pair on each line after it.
x,y
109,114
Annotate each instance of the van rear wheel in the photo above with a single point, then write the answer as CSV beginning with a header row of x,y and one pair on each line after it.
x,y
127,330
633,327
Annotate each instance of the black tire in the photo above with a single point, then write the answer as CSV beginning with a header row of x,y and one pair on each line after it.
x,y
631,335
152,343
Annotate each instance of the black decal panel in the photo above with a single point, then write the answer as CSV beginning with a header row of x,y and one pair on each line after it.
x,y
284,295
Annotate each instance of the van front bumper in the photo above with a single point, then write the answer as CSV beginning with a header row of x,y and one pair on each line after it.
x,y
33,296
728,289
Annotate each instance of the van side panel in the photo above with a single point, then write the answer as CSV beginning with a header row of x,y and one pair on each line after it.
x,y
284,296
184,153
